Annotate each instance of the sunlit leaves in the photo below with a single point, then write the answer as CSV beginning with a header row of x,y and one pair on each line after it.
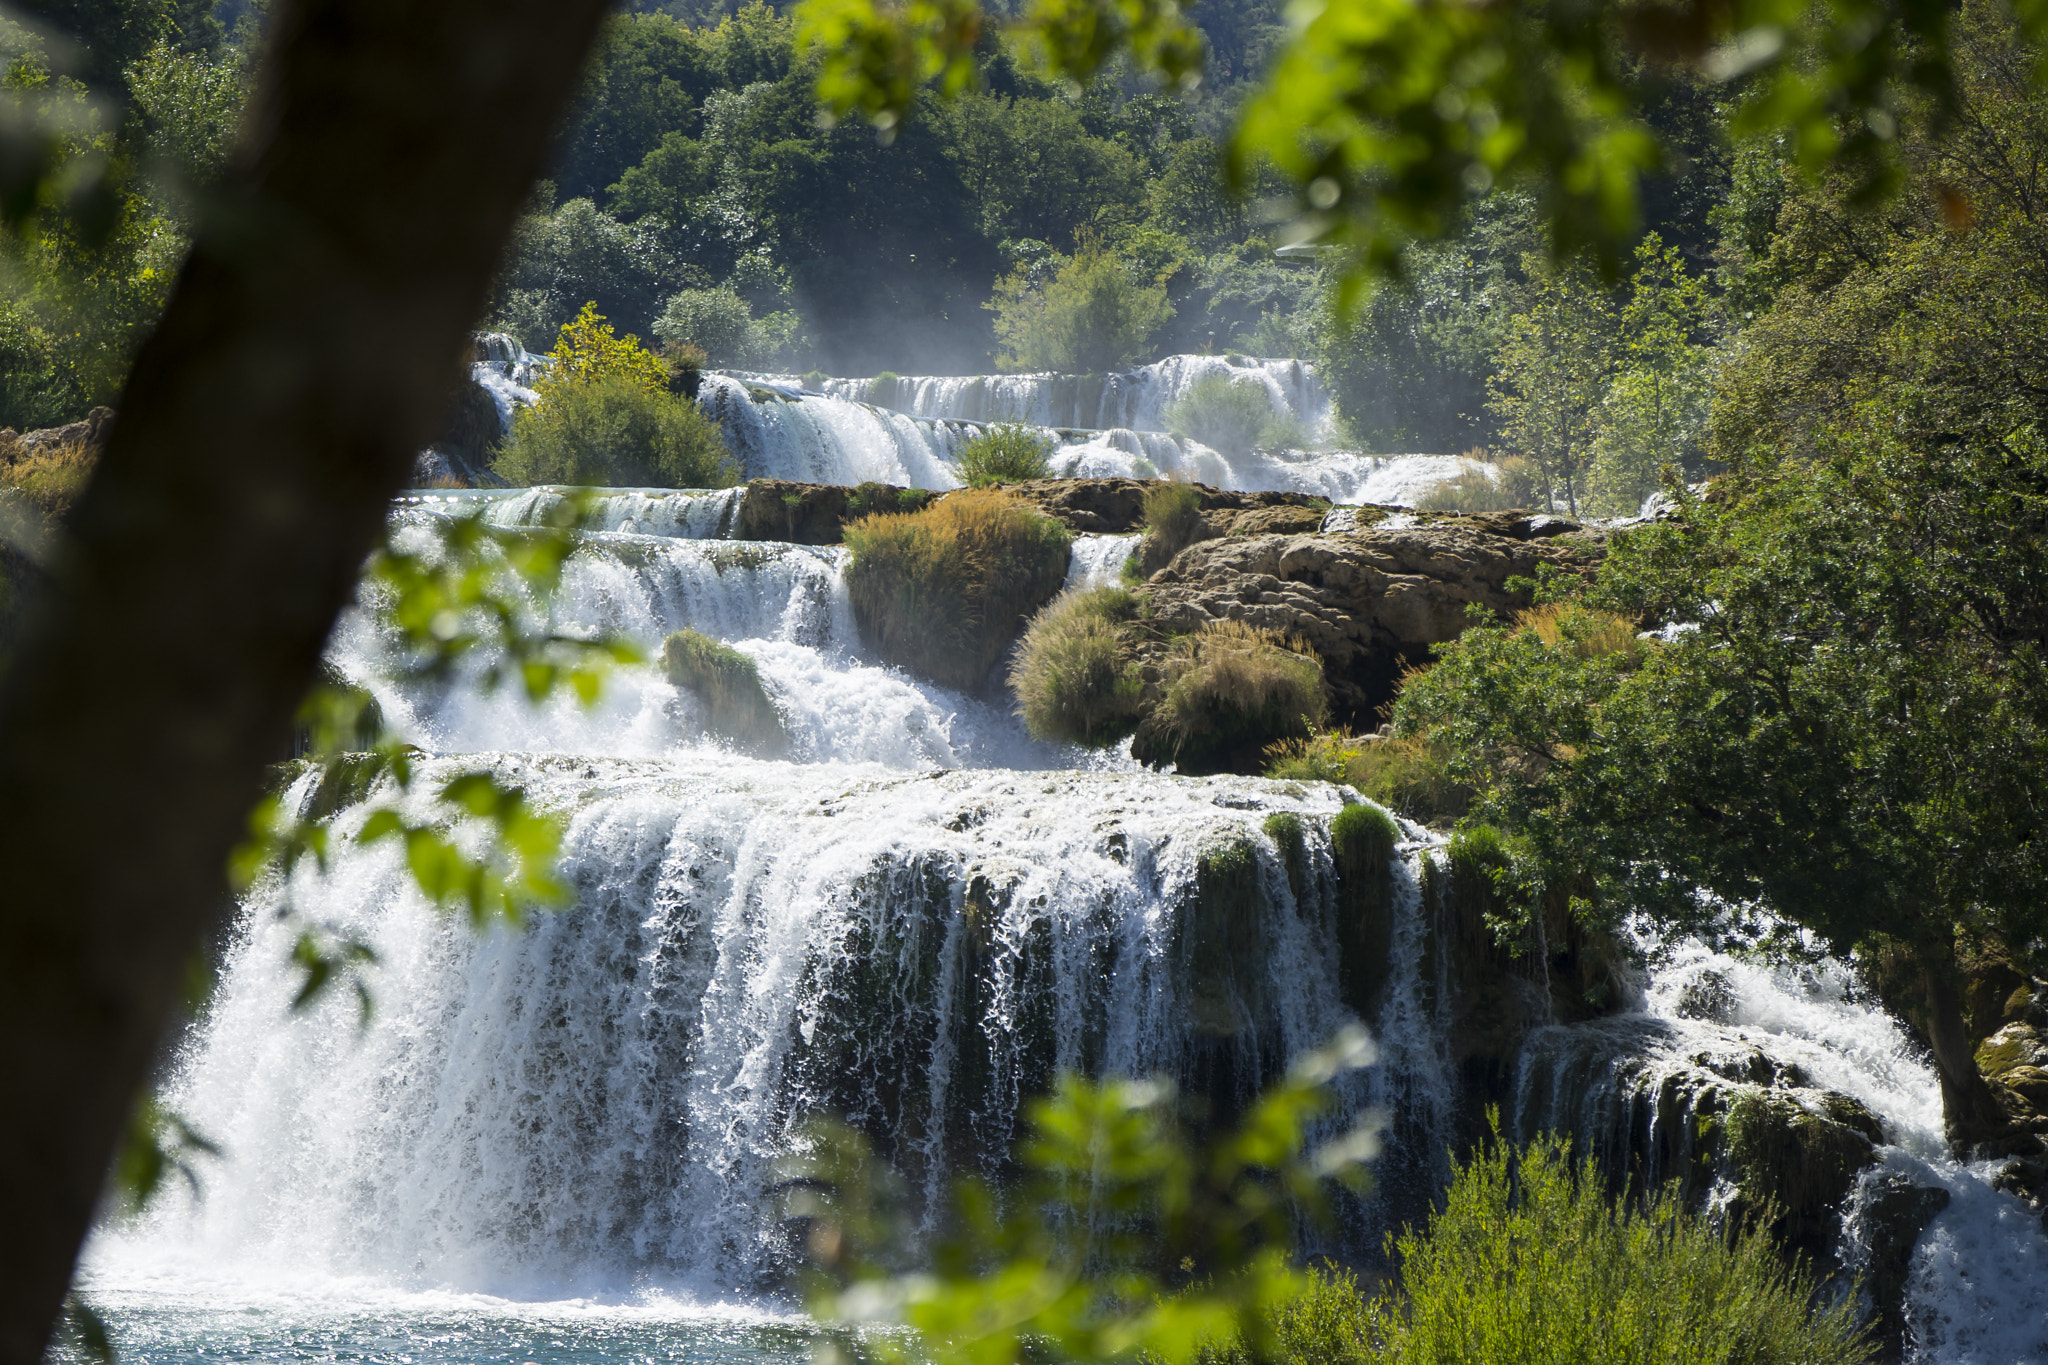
x,y
877,57
1124,1238
158,1145
1075,39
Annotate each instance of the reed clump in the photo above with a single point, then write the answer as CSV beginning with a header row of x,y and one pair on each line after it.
x,y
944,590
1073,676
1173,521
1004,454
1229,691
46,480
728,684
1408,774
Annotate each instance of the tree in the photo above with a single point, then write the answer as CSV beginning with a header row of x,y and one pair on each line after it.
x,y
301,363
1092,316
1551,372
1654,412
1844,723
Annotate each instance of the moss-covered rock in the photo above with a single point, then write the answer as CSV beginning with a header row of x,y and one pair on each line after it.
x,y
943,591
1799,1162
816,513
728,685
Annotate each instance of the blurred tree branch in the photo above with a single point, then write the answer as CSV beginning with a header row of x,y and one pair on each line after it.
x,y
262,432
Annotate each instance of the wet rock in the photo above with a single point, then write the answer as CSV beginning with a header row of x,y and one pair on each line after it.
x,y
1117,506
1708,996
815,513
1887,1224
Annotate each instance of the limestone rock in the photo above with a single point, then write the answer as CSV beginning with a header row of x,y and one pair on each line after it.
x,y
815,513
1370,603
92,430
1117,506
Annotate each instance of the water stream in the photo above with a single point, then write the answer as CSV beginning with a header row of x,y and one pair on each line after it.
x,y
554,1142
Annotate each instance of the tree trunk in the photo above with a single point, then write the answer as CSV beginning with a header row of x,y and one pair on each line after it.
x,y
1970,1113
264,428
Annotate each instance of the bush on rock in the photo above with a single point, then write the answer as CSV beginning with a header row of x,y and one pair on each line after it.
x,y
1073,677
1228,692
943,591
1004,454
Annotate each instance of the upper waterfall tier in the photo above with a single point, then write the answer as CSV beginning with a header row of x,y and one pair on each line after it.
x,y
1135,399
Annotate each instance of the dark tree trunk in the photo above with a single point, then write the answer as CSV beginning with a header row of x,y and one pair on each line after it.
x,y
1970,1113
313,333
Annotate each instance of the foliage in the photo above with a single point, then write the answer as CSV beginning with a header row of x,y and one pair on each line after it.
x,y
615,432
562,257
1409,775
1092,1256
1232,687
587,350
1229,413
1173,520
46,481
728,683
1329,1322
1512,486
1528,1260
944,590
190,107
1554,366
1843,723
1362,837
1004,454
1654,412
720,323
1073,676
1093,315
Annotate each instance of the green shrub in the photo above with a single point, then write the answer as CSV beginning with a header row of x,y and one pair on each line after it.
x,y
1410,775
615,432
1073,678
943,591
1004,454
1096,313
1173,521
46,482
1528,1261
1231,690
1331,1323
718,321
1231,414
728,683
1362,840
1513,489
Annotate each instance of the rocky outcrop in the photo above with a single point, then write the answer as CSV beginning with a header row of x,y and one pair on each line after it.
x,y
1371,603
1117,506
91,431
814,513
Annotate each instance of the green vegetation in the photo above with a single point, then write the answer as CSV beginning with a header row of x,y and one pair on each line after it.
x,y
1230,414
1227,693
1173,521
722,325
607,417
728,683
1073,676
1513,487
1004,454
44,482
944,590
1363,837
1408,775
1094,314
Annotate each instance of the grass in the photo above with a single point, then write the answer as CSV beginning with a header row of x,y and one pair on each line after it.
x,y
1581,630
1231,415
1410,775
944,590
1004,454
47,481
1173,521
728,683
1231,690
1362,838
1514,488
1527,1261
1073,677
615,432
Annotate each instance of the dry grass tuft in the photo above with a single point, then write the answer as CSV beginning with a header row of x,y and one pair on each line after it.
x,y
945,589
1588,633
1073,678
1232,690
47,480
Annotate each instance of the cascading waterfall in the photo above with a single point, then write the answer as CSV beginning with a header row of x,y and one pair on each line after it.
x,y
913,922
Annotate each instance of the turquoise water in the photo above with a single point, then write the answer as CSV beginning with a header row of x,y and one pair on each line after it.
x,y
199,1326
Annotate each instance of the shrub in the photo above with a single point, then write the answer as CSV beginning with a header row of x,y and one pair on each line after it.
x,y
1173,521
728,683
1588,633
716,320
1230,414
1409,774
943,590
47,481
587,350
1073,677
1528,1260
615,432
1329,1323
1230,691
1004,454
1362,838
1512,488
1095,314
686,365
